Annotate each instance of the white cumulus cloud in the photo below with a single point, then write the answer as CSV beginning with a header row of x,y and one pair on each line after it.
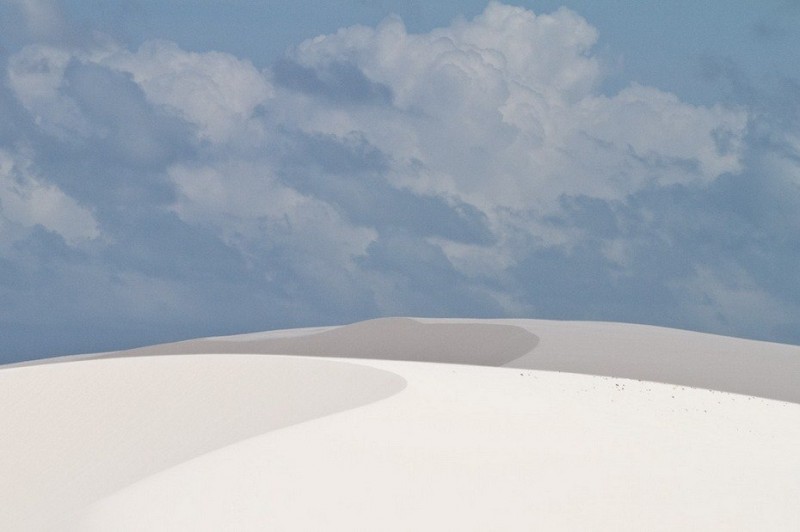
x,y
503,110
213,90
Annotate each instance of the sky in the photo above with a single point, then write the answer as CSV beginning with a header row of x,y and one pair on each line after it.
x,y
179,169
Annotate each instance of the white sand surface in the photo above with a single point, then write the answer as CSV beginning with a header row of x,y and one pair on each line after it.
x,y
75,432
255,442
479,342
467,448
643,352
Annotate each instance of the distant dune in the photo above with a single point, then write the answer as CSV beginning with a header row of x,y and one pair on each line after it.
x,y
402,424
640,352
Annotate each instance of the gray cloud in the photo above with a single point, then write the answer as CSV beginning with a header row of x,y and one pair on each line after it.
x,y
339,82
130,130
350,175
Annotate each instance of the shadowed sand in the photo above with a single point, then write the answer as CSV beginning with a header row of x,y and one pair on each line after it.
x,y
657,354
480,344
75,432
117,441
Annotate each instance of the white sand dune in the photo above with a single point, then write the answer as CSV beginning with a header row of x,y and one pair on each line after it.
x,y
477,342
639,352
76,432
254,442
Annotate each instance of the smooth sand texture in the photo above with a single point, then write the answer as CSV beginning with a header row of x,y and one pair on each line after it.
x,y
475,449
748,367
254,442
480,343
641,352
75,432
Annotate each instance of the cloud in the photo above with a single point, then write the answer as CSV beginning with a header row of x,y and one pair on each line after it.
x,y
27,203
501,110
474,170
35,75
42,19
340,82
214,91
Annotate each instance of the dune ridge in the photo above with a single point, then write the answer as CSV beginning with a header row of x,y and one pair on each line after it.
x,y
76,432
482,344
673,356
639,352
403,435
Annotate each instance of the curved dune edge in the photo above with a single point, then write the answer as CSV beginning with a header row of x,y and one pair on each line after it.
x,y
209,442
480,342
73,433
639,352
476,448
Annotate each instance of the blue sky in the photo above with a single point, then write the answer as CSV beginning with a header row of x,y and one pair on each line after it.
x,y
181,169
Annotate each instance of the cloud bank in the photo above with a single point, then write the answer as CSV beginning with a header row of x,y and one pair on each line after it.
x,y
475,170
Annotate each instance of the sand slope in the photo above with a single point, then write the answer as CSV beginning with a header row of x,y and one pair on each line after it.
x,y
475,449
480,342
229,441
641,352
75,432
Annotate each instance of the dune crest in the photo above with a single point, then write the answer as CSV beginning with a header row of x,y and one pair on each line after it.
x,y
76,432
117,441
640,352
673,356
477,343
